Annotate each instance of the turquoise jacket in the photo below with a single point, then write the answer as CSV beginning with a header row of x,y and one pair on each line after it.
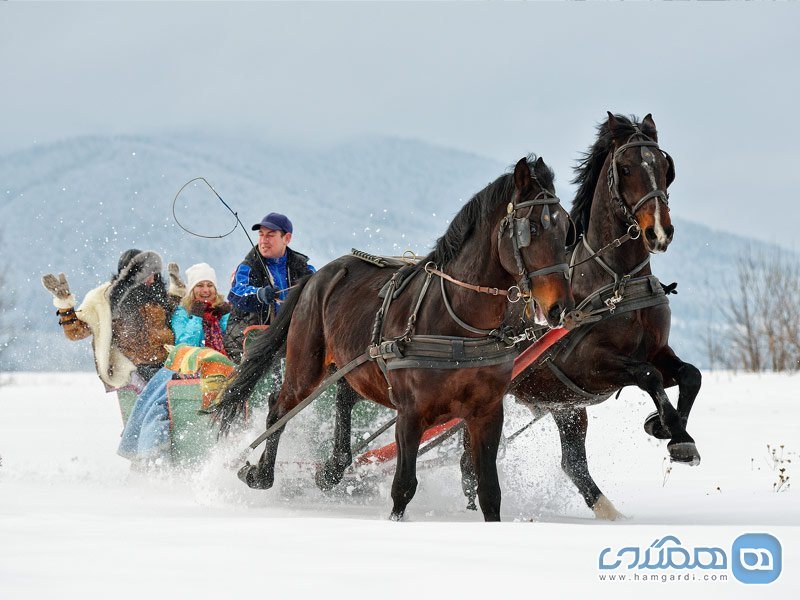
x,y
188,328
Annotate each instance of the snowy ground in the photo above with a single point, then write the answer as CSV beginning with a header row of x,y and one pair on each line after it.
x,y
75,523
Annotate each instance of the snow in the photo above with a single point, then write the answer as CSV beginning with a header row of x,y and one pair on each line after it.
x,y
74,522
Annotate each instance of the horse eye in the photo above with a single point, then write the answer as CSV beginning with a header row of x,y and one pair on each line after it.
x,y
625,170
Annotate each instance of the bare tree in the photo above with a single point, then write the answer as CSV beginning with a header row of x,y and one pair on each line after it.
x,y
5,313
763,314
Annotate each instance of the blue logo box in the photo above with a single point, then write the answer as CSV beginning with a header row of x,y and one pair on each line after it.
x,y
756,558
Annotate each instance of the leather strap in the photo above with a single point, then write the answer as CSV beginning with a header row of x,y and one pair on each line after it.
x,y
475,288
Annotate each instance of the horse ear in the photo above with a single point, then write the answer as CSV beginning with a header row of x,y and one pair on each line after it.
x,y
522,174
612,122
651,124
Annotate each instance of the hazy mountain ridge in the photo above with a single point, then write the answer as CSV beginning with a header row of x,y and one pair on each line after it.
x,y
77,204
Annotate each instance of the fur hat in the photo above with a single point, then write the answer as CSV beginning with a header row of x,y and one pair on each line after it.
x,y
197,273
125,287
126,257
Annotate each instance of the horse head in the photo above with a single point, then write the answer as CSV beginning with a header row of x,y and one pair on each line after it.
x,y
639,173
531,238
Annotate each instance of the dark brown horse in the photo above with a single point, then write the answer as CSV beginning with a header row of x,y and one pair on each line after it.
x,y
623,183
510,235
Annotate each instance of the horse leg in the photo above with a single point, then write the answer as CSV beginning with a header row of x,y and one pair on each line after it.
x,y
407,433
688,379
303,375
469,478
681,445
572,425
484,434
331,472
261,476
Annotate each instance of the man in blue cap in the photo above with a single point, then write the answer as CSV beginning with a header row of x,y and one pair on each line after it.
x,y
261,281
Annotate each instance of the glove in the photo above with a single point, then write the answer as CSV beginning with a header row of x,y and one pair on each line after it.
x,y
199,308
221,309
266,294
59,287
176,287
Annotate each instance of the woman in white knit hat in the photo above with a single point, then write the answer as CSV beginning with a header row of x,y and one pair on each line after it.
x,y
202,316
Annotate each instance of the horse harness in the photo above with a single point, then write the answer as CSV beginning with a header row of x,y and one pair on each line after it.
x,y
411,351
627,293
631,295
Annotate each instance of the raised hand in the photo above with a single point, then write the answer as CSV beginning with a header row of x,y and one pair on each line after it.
x,y
175,279
58,286
174,274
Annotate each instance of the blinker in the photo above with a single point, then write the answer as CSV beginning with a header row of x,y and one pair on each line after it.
x,y
546,217
522,231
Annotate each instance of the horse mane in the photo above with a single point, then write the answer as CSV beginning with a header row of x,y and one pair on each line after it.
x,y
475,213
589,168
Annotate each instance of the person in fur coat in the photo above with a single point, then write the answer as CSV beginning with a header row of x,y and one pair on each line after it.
x,y
127,318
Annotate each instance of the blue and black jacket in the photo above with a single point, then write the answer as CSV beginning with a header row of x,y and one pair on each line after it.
x,y
248,278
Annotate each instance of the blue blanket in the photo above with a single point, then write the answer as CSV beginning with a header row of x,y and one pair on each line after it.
x,y
146,436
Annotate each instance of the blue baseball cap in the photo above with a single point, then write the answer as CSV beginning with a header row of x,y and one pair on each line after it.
x,y
276,222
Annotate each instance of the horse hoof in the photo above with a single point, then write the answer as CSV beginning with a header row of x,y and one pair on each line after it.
x,y
249,475
471,504
605,511
653,427
323,480
685,453
396,516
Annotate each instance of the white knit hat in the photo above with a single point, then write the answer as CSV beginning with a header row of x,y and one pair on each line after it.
x,y
200,272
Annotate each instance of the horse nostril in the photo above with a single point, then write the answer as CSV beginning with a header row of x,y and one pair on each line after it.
x,y
650,234
670,231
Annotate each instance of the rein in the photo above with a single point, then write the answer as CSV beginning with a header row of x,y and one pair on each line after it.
x,y
615,243
492,291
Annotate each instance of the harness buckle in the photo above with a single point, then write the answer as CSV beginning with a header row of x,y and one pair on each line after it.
x,y
612,302
517,296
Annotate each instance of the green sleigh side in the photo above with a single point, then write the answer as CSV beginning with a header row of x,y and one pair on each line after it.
x,y
193,433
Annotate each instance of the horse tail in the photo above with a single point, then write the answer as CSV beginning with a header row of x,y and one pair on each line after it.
x,y
258,359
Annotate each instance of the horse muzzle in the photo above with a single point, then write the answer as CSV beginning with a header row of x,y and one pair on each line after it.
x,y
658,238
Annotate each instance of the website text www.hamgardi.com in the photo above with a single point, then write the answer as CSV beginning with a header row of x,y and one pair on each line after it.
x,y
662,577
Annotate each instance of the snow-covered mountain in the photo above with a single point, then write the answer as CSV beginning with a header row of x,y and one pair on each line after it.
x,y
74,206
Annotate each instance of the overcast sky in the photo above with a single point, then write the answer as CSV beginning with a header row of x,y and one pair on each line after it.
x,y
499,80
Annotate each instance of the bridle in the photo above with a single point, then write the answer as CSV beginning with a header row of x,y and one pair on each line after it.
x,y
640,140
633,232
520,231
